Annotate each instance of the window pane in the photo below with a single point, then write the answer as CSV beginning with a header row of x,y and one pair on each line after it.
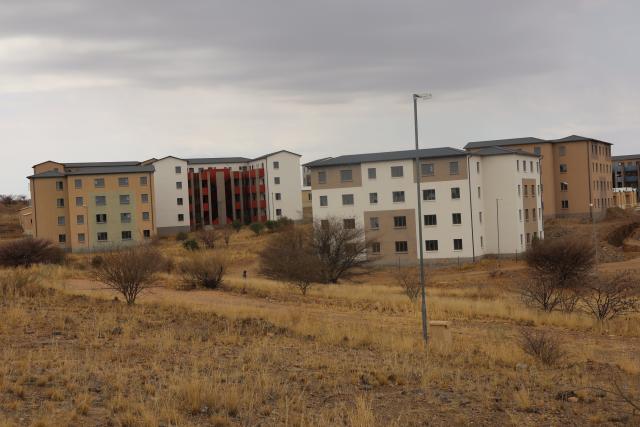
x,y
397,171
372,173
427,169
346,175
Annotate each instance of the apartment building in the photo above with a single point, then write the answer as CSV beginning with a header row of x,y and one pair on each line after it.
x,y
576,173
625,197
473,204
626,170
92,206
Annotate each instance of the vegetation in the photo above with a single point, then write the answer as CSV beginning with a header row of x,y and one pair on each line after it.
x,y
208,237
237,225
226,235
28,251
203,269
191,245
256,227
408,278
182,236
542,346
613,295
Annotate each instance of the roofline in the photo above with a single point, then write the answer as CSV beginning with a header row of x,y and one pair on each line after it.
x,y
46,161
81,173
459,154
274,153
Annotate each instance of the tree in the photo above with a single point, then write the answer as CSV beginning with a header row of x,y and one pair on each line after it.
x,y
203,269
408,278
208,237
610,296
290,257
191,245
339,247
131,270
257,228
541,292
28,251
237,225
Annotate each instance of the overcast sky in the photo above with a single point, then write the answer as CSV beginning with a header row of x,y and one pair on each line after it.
x,y
85,80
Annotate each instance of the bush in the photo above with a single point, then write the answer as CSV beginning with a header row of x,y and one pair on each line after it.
x,y
208,238
542,346
203,269
226,235
19,282
237,225
284,222
408,279
28,251
96,261
256,227
611,296
191,245
181,236
271,225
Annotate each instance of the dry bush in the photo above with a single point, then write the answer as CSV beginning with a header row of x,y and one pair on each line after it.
x,y
289,257
208,237
408,278
226,235
339,249
131,270
28,251
203,269
19,282
541,345
610,296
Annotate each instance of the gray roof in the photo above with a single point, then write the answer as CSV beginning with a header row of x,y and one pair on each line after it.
x,y
47,174
96,170
497,151
503,142
99,164
425,153
213,160
577,138
626,157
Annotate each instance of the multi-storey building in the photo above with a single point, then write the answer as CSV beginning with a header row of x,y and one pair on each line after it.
x,y
626,170
89,206
473,204
576,173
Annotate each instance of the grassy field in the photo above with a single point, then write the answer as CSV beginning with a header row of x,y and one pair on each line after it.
x,y
259,353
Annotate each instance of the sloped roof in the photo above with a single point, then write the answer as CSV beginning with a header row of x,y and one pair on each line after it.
x,y
503,142
425,153
626,157
96,170
213,160
497,151
276,152
100,164
577,138
47,174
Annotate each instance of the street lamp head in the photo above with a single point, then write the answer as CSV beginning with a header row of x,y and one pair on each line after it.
x,y
422,95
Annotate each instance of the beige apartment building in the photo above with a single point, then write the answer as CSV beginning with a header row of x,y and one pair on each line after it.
x,y
576,173
92,206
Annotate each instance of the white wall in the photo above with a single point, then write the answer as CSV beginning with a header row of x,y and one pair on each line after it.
x,y
165,193
289,172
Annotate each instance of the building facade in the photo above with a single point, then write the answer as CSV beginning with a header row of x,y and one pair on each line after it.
x,y
473,204
625,197
626,170
576,173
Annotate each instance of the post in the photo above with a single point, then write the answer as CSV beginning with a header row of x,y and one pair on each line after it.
x,y
498,227
419,222
595,237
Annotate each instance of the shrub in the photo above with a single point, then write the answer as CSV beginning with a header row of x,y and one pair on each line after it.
x,y
96,261
131,270
28,251
408,279
256,227
19,282
271,225
237,225
181,236
611,296
284,222
226,235
542,346
208,237
203,269
191,245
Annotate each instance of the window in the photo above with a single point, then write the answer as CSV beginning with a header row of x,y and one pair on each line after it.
x,y
125,199
179,201
125,217
126,235
400,221
457,244
347,199
427,169
402,246
526,191
481,242
60,220
80,237
101,200
79,201
180,217
565,204
276,180
479,194
278,196
98,183
143,181
398,196
80,219
526,215
59,185
528,238
62,238
431,245
371,173
77,183
375,247
519,190
531,165
453,168
521,241
430,220
324,201
144,198
429,194
456,218
276,165
373,198
374,223
322,177
178,169
278,212
455,192
349,223
533,214
397,172
520,214
564,186
346,175
178,185
518,165
60,203
563,168
145,216
123,182
102,236
524,166
324,224
562,150
146,233
536,151
480,217
537,166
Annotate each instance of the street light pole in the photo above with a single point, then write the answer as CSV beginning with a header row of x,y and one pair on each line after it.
x,y
498,227
419,219
595,238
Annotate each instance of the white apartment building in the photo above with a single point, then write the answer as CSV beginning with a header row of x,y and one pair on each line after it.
x,y
473,204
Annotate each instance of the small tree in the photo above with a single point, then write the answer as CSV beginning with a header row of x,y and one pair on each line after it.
x,y
408,278
130,271
203,269
610,296
237,225
28,251
541,345
271,225
208,238
257,228
226,235
182,236
541,292
340,247
191,245
289,257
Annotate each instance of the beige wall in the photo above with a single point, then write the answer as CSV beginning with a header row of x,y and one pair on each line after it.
x,y
333,177
387,235
441,169
47,166
529,203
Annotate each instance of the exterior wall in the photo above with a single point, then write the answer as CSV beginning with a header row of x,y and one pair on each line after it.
x,y
626,173
333,177
625,198
289,172
307,209
166,195
25,216
47,166
45,210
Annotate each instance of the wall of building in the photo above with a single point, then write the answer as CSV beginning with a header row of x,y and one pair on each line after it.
x,y
167,194
289,172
